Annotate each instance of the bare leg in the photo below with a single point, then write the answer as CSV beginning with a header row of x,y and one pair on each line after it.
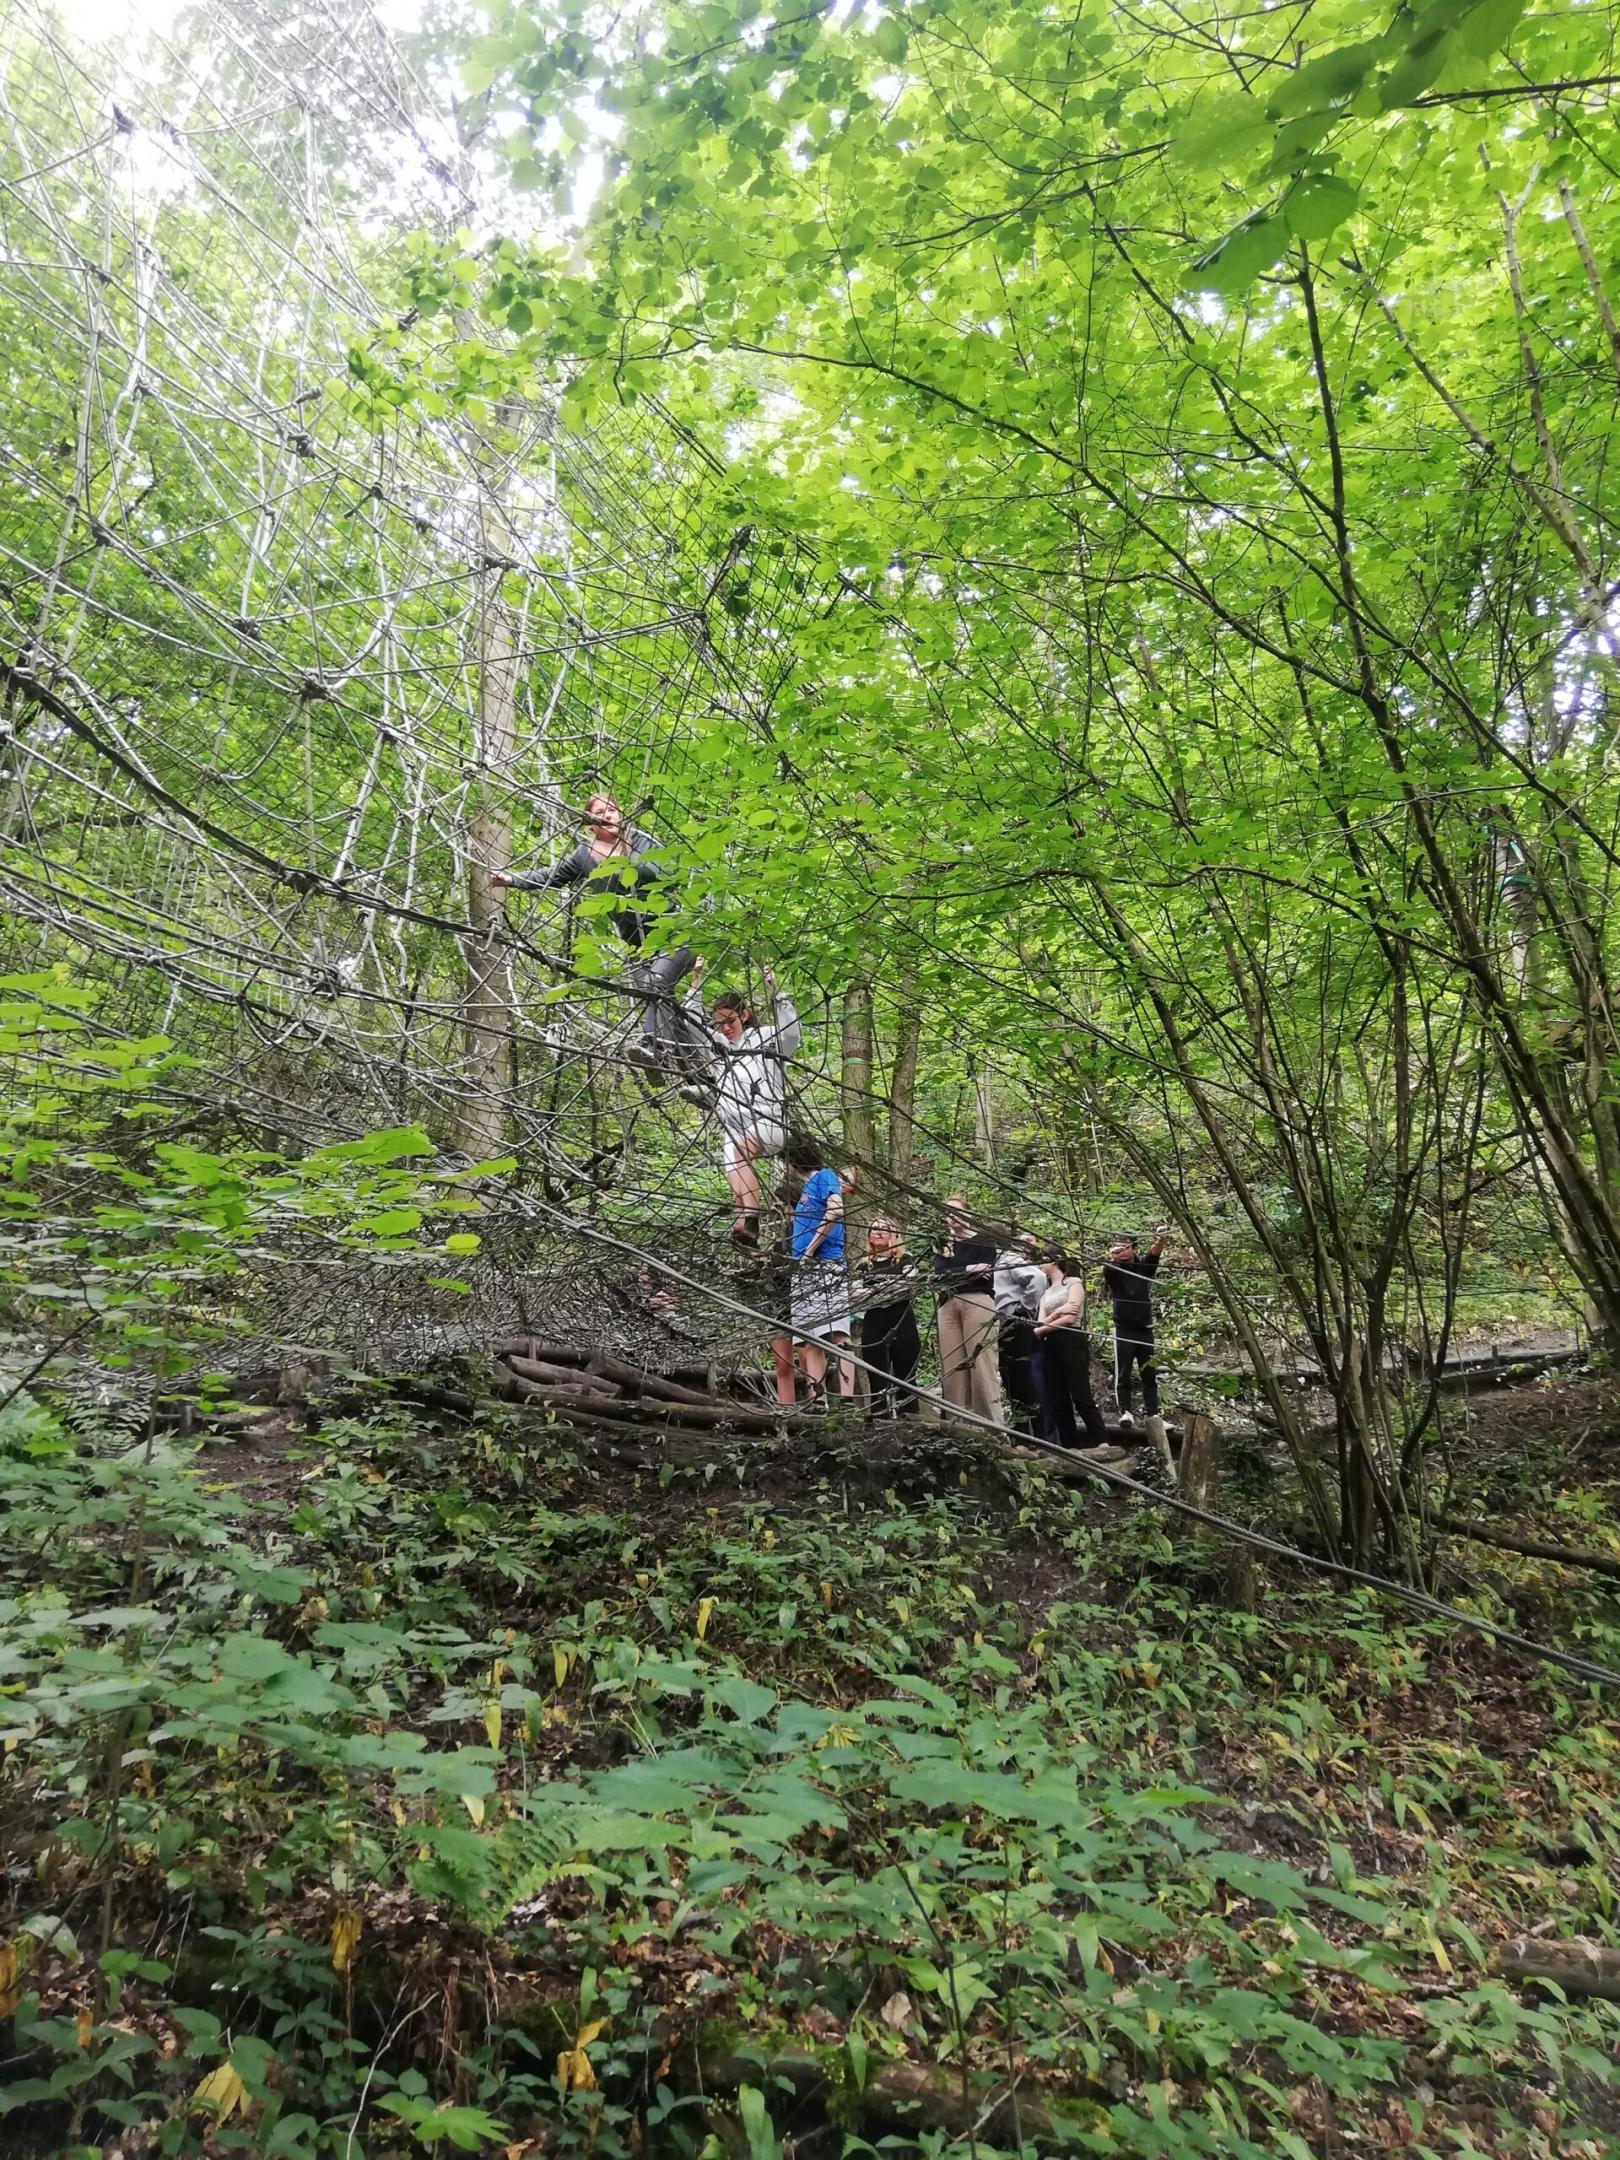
x,y
814,1360
846,1371
786,1371
743,1178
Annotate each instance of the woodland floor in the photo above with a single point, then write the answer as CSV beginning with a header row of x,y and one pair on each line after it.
x,y
908,1794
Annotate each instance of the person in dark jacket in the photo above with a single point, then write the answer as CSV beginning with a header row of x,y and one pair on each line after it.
x,y
1128,1279
1019,1284
622,860
964,1277
889,1338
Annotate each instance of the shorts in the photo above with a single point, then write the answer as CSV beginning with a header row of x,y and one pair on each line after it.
x,y
820,1301
771,1138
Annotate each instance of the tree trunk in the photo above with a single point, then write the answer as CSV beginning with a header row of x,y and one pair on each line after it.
x,y
903,1084
855,1080
984,1118
486,1013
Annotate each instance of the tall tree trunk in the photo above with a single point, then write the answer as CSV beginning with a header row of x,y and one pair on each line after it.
x,y
984,1116
487,1002
855,1078
903,1084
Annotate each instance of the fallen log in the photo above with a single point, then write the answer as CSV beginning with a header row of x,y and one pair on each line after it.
x,y
549,1353
541,1369
652,1414
1578,1968
1575,1556
706,1378
637,1382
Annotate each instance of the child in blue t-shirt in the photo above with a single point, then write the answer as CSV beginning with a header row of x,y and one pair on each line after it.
x,y
818,1218
820,1289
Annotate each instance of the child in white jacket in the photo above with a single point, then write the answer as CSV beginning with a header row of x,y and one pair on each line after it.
x,y
750,1090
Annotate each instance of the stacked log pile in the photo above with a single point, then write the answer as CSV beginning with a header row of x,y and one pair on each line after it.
x,y
584,1385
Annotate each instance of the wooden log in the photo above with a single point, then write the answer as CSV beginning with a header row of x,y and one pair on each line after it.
x,y
651,1414
636,1382
1575,1556
1578,1968
529,1368
707,1379
548,1353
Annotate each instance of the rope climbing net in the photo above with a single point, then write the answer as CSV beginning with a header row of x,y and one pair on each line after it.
x,y
283,665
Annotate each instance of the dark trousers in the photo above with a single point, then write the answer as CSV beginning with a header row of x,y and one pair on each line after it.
x,y
1015,1346
1062,1373
891,1343
671,1040
1133,1353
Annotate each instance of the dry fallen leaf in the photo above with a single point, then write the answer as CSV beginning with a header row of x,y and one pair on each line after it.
x,y
897,2010
345,1937
222,2090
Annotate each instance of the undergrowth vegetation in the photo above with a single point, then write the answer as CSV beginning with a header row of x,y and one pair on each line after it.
x,y
448,1790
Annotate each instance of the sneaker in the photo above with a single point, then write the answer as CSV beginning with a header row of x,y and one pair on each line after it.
x,y
1127,1422
745,1236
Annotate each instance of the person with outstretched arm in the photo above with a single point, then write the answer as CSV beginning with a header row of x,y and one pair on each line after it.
x,y
621,859
964,1278
1062,1361
750,1089
1128,1279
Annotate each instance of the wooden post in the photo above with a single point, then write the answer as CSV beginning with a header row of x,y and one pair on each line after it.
x,y
1200,1452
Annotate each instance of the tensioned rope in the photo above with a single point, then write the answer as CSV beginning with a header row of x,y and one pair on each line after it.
x,y
1240,1533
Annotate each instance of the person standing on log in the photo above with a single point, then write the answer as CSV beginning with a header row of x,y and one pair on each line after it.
x,y
820,1301
1062,1361
1128,1279
890,1343
964,1277
621,859
750,1091
1019,1283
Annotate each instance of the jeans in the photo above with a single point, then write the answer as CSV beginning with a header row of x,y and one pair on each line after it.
x,y
1062,1369
670,1038
1013,1354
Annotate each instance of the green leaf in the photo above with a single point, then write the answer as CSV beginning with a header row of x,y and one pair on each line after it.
x,y
1487,26
1317,205
1329,79
1234,263
745,1699
891,40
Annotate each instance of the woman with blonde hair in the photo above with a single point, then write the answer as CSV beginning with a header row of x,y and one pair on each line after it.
x,y
890,1342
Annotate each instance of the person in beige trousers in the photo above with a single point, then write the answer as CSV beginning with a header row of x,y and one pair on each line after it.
x,y
964,1277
